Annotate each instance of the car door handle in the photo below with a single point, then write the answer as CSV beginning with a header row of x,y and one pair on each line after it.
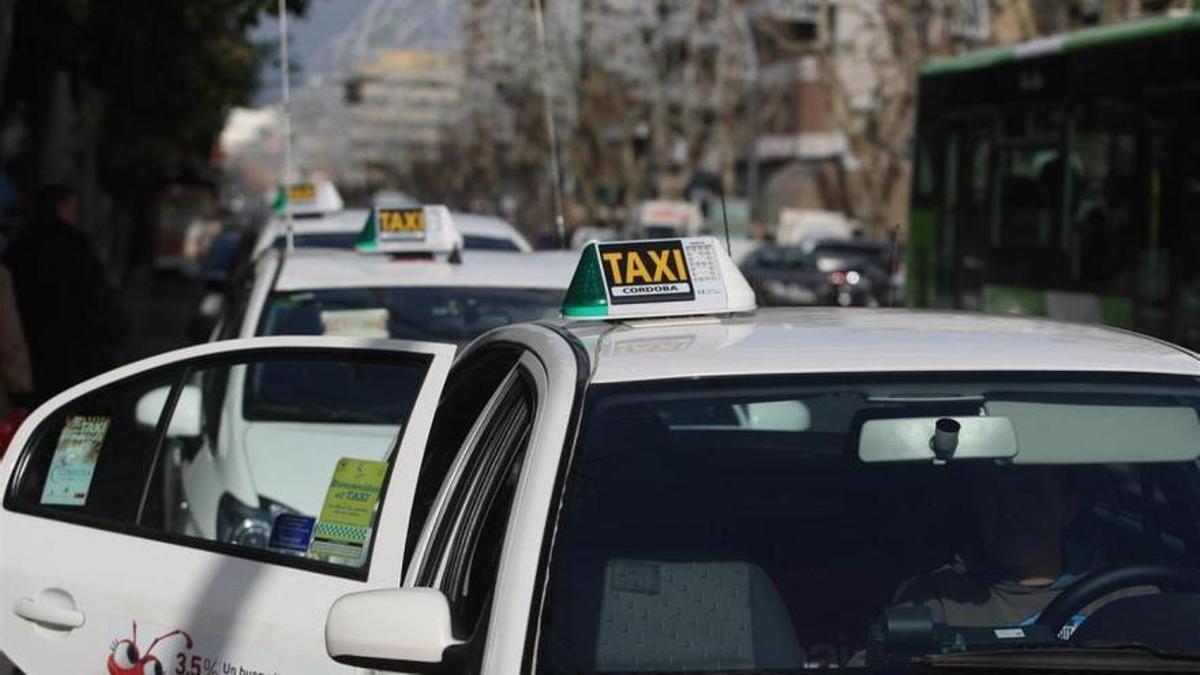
x,y
48,615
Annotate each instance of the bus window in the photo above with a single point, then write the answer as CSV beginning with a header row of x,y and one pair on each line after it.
x,y
1102,227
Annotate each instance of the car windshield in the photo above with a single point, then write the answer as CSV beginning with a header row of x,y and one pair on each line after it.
x,y
843,256
756,523
347,240
443,314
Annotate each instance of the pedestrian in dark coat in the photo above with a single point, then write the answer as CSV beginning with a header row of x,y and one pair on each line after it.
x,y
74,322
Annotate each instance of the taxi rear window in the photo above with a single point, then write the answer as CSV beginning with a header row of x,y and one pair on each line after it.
x,y
445,314
347,240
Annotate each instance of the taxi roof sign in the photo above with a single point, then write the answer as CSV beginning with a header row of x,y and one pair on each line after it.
x,y
308,197
656,278
394,227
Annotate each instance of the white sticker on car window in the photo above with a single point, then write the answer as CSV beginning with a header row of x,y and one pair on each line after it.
x,y
74,463
368,323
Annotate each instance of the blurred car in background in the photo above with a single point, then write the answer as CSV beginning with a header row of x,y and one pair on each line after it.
x,y
820,275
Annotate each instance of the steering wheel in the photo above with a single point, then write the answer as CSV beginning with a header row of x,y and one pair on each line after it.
x,y
1095,586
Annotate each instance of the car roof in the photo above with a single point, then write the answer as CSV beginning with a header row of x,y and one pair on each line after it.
x,y
310,269
835,340
477,225
352,220
346,220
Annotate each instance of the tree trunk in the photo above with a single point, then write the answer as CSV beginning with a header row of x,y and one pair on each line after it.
x,y
6,33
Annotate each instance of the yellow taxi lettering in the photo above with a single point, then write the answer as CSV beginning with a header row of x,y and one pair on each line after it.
x,y
614,264
393,220
303,192
682,268
662,266
635,268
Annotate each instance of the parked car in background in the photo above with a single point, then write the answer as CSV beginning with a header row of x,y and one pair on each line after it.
x,y
795,275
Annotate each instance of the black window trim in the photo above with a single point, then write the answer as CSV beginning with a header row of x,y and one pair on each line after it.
x,y
360,573
505,354
436,567
464,544
443,533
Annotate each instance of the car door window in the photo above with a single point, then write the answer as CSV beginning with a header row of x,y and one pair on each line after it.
x,y
88,461
283,458
466,545
474,382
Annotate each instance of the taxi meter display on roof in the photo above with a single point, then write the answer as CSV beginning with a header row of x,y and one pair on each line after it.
x,y
658,277
406,229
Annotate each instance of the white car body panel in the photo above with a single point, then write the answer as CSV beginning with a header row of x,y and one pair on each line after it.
x,y
239,611
827,340
316,269
519,561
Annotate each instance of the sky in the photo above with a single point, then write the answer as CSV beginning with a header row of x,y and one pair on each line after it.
x,y
324,19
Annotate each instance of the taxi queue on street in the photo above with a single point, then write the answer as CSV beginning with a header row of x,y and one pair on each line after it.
x,y
653,475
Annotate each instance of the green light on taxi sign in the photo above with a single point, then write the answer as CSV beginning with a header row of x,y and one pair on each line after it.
x,y
586,296
280,200
369,235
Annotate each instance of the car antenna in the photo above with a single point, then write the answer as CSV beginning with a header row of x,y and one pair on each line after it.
x,y
725,217
285,72
560,226
894,259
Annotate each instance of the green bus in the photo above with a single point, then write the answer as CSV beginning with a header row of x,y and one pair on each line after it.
x,y
1061,177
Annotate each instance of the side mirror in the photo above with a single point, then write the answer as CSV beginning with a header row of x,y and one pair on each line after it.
x,y
186,420
402,629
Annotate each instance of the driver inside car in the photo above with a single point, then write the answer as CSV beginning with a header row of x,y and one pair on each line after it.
x,y
1022,560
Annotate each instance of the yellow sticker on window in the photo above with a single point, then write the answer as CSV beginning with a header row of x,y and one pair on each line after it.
x,y
348,514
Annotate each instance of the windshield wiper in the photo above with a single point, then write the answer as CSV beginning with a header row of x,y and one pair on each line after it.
x,y
1109,658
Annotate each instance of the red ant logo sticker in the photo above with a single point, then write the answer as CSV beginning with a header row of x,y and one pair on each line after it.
x,y
125,658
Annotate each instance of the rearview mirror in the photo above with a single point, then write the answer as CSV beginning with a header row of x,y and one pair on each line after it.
x,y
185,420
924,439
402,629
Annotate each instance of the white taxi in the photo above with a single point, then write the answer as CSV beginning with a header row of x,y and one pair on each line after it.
x,y
420,286
666,480
425,288
323,223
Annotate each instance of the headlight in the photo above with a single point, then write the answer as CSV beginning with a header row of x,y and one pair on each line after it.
x,y
245,525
